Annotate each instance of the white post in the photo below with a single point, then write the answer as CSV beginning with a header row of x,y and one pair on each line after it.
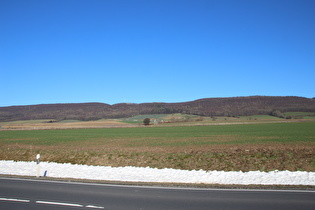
x,y
37,162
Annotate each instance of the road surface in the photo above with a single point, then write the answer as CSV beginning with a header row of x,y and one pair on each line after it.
x,y
41,194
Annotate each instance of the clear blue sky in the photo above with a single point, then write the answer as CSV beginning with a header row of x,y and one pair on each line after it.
x,y
112,51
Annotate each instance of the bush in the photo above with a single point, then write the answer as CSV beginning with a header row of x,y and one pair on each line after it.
x,y
146,121
277,113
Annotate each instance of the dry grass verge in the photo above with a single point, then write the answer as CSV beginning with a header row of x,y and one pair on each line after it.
x,y
215,157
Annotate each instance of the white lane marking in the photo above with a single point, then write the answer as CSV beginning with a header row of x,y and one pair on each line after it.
x,y
51,203
94,207
58,203
15,200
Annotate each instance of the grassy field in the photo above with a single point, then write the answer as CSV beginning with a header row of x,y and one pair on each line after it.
x,y
234,147
301,115
156,119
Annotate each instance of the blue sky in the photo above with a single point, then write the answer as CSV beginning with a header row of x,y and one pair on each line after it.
x,y
113,51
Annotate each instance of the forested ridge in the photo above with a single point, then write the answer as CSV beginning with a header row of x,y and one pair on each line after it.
x,y
232,106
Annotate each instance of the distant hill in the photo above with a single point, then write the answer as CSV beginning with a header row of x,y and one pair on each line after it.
x,y
233,106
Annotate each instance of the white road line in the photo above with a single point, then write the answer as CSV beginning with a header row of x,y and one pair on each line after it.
x,y
94,207
52,203
60,204
14,199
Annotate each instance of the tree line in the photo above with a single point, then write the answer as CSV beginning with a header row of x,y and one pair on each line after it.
x,y
229,107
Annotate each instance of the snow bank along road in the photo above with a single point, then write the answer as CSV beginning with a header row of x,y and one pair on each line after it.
x,y
136,174
41,194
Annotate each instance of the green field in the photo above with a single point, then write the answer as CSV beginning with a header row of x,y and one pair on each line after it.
x,y
141,117
259,117
163,118
299,113
282,146
164,136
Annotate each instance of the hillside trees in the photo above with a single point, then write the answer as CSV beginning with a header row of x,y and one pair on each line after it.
x,y
235,106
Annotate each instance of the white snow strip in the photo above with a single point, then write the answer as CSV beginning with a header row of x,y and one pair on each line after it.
x,y
14,199
94,207
138,174
59,204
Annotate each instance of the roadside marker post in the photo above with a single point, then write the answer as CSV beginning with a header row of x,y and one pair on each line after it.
x,y
37,162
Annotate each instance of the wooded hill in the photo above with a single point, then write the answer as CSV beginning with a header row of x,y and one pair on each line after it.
x,y
233,106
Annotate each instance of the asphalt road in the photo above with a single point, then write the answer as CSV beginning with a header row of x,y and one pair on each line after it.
x,y
38,194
